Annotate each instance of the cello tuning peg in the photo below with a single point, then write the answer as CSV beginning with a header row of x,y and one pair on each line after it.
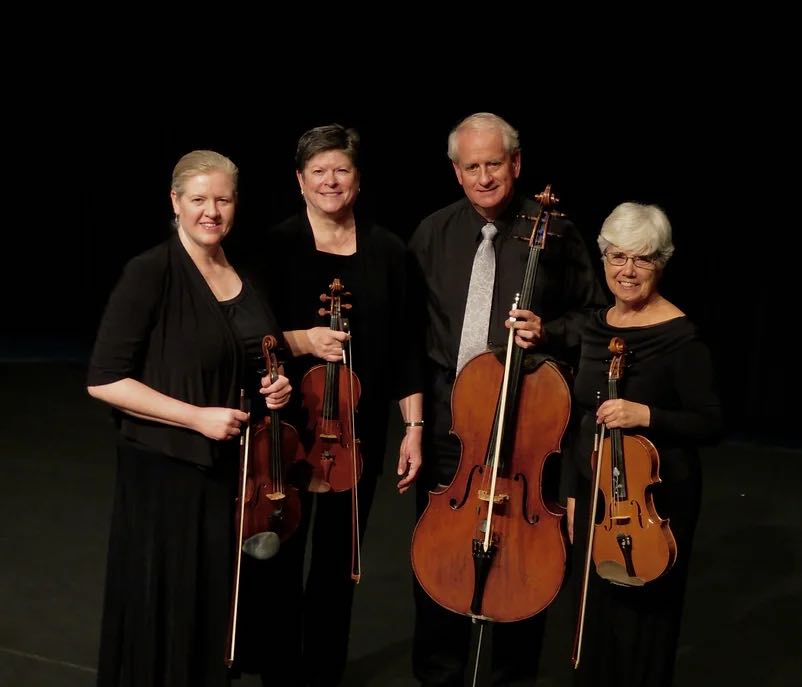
x,y
346,306
323,311
324,297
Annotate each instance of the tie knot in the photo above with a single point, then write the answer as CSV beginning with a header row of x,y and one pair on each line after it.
x,y
489,231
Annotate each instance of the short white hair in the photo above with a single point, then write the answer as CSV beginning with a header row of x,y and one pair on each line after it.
x,y
640,228
484,121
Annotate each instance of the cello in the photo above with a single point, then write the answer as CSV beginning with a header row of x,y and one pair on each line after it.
x,y
330,394
268,509
488,546
631,545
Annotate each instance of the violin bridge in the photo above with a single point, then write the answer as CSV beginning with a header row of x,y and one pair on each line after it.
x,y
276,496
484,495
621,519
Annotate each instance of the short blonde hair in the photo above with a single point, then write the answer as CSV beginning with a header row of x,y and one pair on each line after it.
x,y
202,162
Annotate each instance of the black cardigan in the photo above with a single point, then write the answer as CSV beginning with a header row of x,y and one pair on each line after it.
x,y
164,327
391,369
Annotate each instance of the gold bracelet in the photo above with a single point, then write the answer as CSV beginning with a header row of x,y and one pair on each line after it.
x,y
414,423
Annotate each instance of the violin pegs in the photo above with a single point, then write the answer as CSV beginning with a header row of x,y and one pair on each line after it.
x,y
346,306
324,297
323,311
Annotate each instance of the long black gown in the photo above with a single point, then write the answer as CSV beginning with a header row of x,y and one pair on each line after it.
x,y
168,578
631,633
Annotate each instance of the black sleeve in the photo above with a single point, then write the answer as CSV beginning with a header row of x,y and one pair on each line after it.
x,y
128,319
699,415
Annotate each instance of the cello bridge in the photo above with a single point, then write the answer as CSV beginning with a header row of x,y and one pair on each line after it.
x,y
276,496
484,495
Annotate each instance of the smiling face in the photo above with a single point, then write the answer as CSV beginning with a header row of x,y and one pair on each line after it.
x,y
205,208
329,182
633,287
485,170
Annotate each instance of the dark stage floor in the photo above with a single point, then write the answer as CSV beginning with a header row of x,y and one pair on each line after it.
x,y
743,619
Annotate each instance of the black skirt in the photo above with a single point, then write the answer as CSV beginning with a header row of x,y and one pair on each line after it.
x,y
168,580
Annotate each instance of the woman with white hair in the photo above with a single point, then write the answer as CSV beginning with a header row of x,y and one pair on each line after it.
x,y
666,393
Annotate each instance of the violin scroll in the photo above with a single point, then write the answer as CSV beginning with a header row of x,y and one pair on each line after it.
x,y
617,347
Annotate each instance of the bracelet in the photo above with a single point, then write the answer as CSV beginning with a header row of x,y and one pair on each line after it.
x,y
414,423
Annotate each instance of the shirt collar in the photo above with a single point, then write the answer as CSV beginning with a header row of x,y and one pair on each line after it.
x,y
503,222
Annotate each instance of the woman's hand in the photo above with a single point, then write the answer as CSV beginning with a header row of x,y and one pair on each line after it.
x,y
327,343
618,413
276,394
220,423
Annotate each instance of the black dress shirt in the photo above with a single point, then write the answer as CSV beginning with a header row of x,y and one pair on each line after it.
x,y
566,290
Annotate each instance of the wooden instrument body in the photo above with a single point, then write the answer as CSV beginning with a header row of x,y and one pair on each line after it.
x,y
529,561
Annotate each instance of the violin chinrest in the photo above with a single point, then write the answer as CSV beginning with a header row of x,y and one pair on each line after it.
x,y
262,545
614,572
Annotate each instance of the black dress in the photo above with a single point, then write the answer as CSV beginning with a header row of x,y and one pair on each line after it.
x,y
168,579
312,646
631,633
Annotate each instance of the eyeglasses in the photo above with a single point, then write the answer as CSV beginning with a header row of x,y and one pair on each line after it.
x,y
645,262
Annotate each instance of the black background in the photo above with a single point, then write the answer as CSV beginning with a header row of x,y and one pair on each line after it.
x,y
95,159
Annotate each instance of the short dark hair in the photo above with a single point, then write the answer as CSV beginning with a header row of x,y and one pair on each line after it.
x,y
324,138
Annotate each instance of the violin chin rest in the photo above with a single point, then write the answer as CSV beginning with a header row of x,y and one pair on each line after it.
x,y
318,486
614,572
262,546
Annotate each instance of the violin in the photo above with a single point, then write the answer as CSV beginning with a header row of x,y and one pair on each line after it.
x,y
632,545
268,509
330,394
488,546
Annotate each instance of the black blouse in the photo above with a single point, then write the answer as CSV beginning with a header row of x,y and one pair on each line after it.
x,y
292,274
668,368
